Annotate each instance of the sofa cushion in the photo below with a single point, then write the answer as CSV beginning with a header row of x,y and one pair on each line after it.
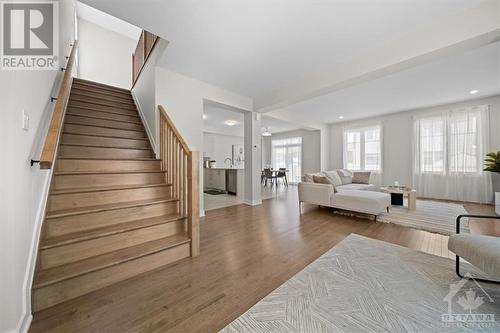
x,y
369,202
324,180
350,187
361,177
308,177
479,250
334,177
345,176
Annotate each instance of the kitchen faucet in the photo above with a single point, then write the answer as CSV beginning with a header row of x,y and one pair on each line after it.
x,y
230,161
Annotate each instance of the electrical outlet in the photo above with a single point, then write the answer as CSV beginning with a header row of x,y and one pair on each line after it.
x,y
26,121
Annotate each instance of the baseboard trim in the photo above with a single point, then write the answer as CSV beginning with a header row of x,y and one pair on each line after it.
x,y
25,323
151,137
26,318
252,202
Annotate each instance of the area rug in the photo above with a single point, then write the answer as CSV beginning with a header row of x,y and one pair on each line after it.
x,y
434,216
365,285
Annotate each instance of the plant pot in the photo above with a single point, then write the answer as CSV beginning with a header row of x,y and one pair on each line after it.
x,y
495,181
497,203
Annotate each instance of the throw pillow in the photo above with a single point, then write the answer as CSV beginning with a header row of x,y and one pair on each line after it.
x,y
361,177
324,180
308,178
345,176
333,177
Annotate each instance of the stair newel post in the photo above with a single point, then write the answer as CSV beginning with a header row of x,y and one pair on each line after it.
x,y
194,201
162,142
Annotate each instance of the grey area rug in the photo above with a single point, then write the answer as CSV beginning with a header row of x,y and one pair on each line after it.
x,y
365,285
434,216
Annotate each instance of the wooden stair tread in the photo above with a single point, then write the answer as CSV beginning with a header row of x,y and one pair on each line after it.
x,y
89,100
106,231
106,188
69,173
64,272
99,85
104,118
82,90
109,159
107,207
90,108
102,126
106,136
104,147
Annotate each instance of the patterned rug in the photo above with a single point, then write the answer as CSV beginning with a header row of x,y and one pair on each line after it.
x,y
434,216
365,285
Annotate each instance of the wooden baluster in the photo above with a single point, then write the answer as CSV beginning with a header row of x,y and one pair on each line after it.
x,y
182,167
186,189
162,144
194,202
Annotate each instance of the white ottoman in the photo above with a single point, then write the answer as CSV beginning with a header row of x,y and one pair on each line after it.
x,y
368,202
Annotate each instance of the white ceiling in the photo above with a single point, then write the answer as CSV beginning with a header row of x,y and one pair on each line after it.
x,y
216,115
254,47
439,82
107,21
309,62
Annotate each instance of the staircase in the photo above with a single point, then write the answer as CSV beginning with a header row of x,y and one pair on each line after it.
x,y
113,210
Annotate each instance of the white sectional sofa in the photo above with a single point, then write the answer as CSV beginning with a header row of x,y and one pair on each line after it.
x,y
343,193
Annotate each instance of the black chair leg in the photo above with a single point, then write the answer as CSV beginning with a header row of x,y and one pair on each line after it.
x,y
457,270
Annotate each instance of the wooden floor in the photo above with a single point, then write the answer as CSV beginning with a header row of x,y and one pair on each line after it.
x,y
246,252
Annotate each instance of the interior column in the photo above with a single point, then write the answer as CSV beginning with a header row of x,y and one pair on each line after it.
x,y
253,156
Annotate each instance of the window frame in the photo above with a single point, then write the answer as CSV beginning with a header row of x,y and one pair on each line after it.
x,y
288,144
362,143
447,118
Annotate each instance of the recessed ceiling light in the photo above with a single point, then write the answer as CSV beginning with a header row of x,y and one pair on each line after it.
x,y
341,117
205,116
230,122
473,92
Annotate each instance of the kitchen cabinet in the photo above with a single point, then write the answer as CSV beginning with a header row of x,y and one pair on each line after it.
x,y
215,179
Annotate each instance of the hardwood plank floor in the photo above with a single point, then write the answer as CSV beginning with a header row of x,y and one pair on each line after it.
x,y
246,252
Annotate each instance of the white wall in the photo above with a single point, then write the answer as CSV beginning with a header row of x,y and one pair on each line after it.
x,y
24,188
311,148
219,147
397,138
183,98
104,55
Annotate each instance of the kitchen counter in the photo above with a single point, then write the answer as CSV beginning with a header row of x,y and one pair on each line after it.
x,y
230,180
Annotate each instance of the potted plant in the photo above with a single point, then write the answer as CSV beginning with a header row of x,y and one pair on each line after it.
x,y
492,164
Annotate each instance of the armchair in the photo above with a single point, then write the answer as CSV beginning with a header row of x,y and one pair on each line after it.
x,y
481,251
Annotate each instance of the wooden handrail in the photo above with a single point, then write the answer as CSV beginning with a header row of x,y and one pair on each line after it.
x,y
145,45
164,114
56,123
181,166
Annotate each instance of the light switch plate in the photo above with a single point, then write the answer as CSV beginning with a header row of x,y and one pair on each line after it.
x,y
26,121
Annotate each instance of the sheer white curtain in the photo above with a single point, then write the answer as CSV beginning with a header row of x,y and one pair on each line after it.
x,y
287,153
449,148
362,151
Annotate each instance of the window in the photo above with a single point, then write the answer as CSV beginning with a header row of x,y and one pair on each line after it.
x,y
362,149
432,141
464,142
287,153
449,143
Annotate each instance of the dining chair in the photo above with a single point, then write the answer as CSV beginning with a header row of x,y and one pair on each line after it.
x,y
268,174
282,174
